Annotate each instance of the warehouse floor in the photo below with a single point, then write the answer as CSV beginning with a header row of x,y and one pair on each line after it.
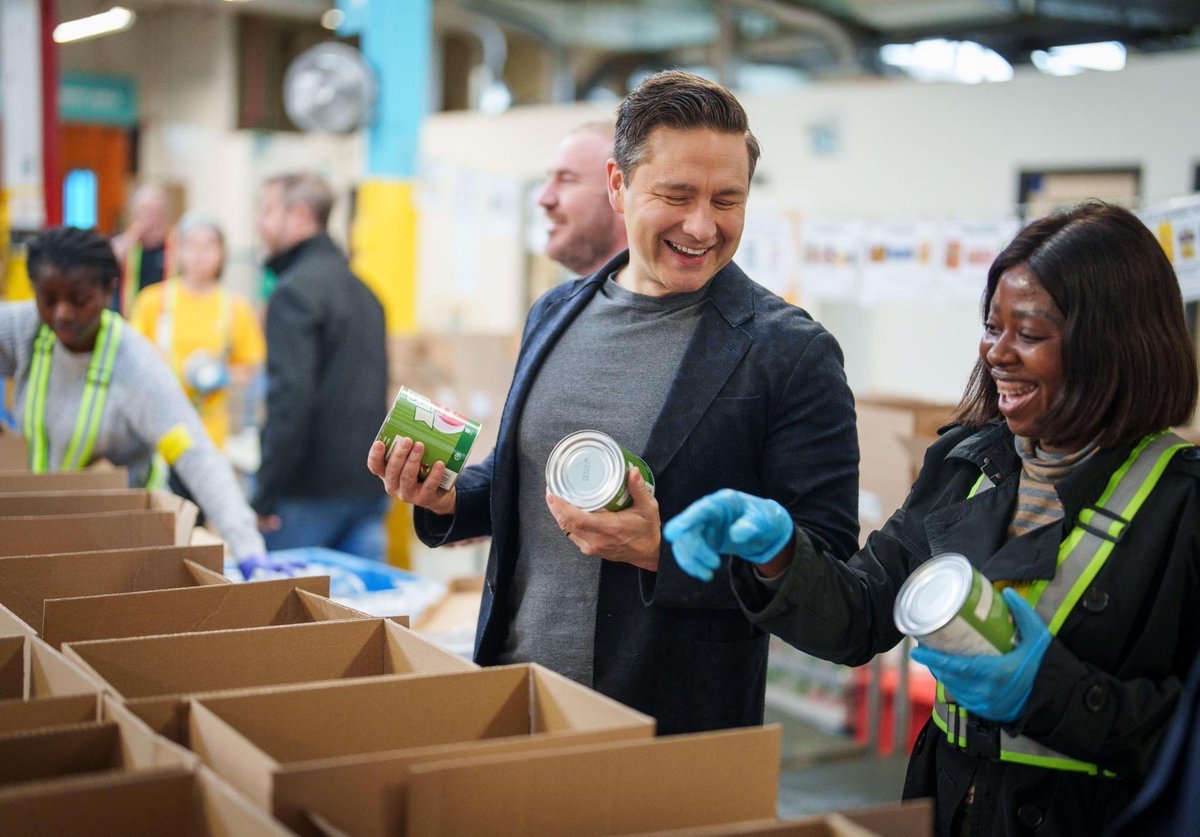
x,y
823,772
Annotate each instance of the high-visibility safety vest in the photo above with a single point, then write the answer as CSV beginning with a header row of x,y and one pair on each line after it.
x,y
1080,558
91,404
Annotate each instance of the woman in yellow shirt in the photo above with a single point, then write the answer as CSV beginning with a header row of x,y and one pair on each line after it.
x,y
210,336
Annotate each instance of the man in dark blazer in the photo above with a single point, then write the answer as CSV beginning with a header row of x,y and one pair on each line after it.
x,y
715,381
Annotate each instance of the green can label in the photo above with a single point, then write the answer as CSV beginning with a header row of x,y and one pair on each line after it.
x,y
447,435
623,500
985,611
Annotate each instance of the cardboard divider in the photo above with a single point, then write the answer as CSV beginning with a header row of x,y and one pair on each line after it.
x,y
41,535
38,687
154,803
27,581
155,675
621,787
119,742
342,751
32,503
256,604
90,480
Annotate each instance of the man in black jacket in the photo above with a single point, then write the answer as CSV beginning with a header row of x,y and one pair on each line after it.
x,y
327,381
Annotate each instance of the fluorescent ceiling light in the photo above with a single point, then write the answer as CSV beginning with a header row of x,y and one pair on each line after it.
x,y
965,62
116,19
1107,56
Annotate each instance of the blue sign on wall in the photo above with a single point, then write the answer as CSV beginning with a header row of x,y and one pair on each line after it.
x,y
95,98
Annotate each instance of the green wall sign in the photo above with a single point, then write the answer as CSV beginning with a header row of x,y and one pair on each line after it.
x,y
95,98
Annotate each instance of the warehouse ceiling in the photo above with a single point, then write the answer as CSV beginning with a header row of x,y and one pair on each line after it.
x,y
598,48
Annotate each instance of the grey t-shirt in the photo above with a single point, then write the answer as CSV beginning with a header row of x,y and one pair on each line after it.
x,y
610,371
144,402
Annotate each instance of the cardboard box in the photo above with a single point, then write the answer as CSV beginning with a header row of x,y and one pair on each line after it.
x,y
119,742
168,523
89,480
216,607
158,803
905,819
156,675
26,582
88,501
614,788
38,686
343,751
893,433
14,453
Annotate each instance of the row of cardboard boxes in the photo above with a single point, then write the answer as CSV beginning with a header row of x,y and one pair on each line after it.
x,y
142,692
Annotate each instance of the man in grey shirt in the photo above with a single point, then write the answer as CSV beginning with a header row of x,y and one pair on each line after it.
x,y
713,380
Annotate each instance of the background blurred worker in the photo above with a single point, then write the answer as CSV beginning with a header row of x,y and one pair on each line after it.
x,y
145,250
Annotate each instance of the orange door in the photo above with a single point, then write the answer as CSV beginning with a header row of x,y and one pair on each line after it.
x,y
103,150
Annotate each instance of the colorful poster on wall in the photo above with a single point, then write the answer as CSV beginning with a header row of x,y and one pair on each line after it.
x,y
966,250
898,262
767,253
1176,225
830,258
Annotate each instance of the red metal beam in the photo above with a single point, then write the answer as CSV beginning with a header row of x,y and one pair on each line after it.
x,y
51,140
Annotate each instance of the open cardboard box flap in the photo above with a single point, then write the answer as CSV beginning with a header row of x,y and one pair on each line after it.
x,y
27,581
614,788
45,534
281,748
214,607
903,819
154,803
20,480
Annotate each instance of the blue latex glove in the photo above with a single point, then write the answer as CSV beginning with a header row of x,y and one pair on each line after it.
x,y
995,687
727,522
264,566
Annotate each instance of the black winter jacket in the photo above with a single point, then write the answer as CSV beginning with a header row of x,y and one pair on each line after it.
x,y
1110,679
327,379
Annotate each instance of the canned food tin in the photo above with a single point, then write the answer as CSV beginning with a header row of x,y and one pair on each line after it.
x,y
447,435
588,469
947,604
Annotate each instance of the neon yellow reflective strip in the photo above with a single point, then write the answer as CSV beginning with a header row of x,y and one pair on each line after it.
x,y
975,487
35,401
101,389
1089,573
157,478
95,393
175,443
1051,763
132,278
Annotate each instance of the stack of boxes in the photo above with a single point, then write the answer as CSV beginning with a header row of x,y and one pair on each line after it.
x,y
141,692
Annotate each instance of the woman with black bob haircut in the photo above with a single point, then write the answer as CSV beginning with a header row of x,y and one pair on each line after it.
x,y
1059,483
89,387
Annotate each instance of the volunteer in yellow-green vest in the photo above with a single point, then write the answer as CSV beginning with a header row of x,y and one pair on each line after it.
x,y
1059,483
209,335
146,248
89,387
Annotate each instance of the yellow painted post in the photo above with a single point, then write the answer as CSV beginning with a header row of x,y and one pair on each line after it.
x,y
383,241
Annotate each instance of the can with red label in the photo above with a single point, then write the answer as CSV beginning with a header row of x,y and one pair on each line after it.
x,y
448,436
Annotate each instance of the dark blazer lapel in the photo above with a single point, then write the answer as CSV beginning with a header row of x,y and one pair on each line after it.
x,y
717,347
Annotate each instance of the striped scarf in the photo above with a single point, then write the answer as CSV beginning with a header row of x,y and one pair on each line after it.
x,y
1037,500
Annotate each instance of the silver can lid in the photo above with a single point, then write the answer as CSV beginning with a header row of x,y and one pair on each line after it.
x,y
933,595
587,469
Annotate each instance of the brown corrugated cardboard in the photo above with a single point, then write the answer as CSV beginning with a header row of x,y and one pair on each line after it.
x,y
49,692
887,428
256,604
119,742
96,478
44,534
30,503
155,675
615,788
906,819
343,750
159,803
14,453
27,581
